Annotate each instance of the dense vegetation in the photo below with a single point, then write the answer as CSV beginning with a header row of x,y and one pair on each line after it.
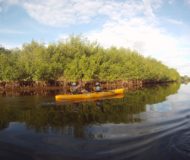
x,y
78,58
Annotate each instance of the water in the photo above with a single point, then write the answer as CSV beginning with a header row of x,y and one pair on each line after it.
x,y
146,124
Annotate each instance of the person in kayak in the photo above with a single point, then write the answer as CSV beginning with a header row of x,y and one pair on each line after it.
x,y
98,87
77,89
74,89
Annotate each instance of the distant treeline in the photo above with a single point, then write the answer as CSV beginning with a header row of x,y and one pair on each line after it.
x,y
77,58
185,79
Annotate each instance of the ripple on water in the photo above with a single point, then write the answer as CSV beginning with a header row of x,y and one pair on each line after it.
x,y
180,144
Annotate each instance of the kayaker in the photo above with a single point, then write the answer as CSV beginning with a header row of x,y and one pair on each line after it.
x,y
98,87
73,88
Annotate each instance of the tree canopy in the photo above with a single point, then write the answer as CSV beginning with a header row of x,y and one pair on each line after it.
x,y
77,58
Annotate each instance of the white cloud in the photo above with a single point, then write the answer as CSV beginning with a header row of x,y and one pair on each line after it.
x,y
62,12
132,32
67,12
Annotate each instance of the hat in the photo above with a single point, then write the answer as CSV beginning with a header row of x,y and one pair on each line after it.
x,y
73,83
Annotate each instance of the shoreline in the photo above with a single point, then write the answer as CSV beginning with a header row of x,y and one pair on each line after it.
x,y
53,87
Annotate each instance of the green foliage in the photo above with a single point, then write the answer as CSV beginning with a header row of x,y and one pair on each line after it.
x,y
78,58
8,65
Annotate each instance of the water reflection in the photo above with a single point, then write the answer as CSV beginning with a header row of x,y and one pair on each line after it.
x,y
160,107
43,114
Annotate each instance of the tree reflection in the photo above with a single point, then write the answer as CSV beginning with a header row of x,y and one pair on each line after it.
x,y
71,118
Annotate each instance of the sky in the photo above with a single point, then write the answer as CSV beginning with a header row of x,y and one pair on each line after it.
x,y
155,28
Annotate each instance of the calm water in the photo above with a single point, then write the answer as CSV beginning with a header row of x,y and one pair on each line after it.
x,y
151,123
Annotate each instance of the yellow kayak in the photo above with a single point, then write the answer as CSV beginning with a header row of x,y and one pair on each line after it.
x,y
60,101
89,95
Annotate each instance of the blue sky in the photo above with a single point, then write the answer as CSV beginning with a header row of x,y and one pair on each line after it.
x,y
156,28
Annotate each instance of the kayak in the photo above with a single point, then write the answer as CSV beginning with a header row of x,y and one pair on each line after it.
x,y
89,95
64,101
